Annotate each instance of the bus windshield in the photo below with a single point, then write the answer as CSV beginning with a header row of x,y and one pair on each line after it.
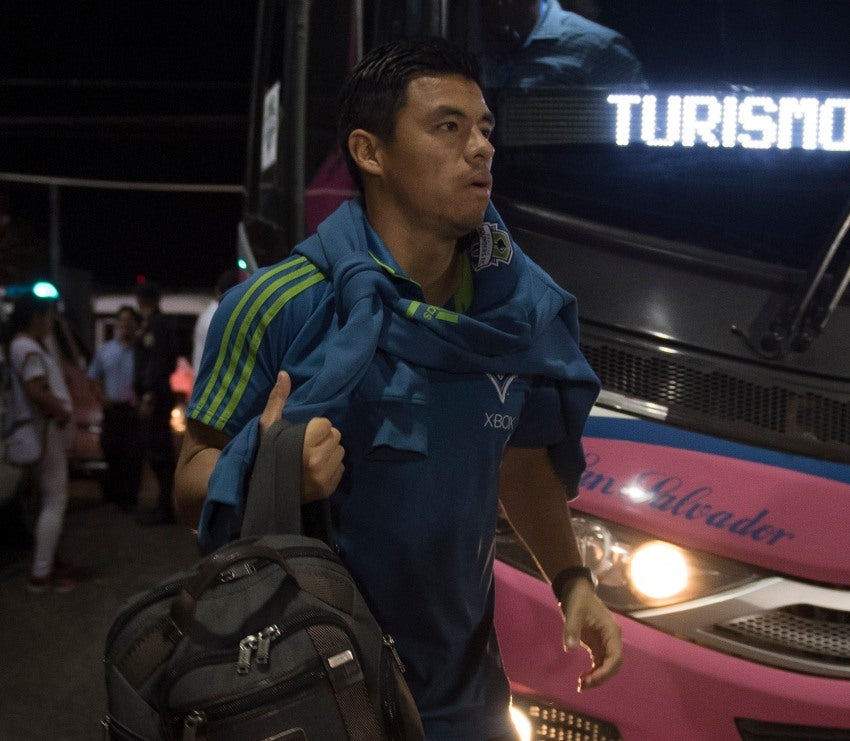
x,y
714,126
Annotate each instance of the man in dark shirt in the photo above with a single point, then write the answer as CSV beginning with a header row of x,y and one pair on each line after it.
x,y
155,361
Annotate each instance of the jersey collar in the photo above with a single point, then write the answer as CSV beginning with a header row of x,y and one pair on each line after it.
x,y
381,254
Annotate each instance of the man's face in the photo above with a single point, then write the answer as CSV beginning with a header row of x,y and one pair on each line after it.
x,y
437,166
125,326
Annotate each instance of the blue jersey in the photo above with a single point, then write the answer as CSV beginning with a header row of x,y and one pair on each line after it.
x,y
415,514
417,531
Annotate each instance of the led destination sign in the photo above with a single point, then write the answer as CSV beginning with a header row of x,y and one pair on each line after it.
x,y
750,122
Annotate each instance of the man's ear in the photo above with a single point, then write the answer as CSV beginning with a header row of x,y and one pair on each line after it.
x,y
364,148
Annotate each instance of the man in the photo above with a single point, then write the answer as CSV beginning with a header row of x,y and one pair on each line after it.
x,y
425,348
536,43
111,376
155,358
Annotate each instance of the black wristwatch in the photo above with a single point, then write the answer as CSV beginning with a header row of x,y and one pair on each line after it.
x,y
571,572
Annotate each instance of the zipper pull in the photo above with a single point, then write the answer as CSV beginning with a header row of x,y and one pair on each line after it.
x,y
266,636
191,723
246,568
246,650
389,642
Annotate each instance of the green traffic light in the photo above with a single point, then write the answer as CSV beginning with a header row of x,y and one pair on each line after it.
x,y
43,289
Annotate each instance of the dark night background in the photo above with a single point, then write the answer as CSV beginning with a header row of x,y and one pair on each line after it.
x,y
158,91
141,92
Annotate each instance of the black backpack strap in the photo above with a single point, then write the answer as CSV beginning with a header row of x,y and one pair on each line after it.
x,y
274,492
348,682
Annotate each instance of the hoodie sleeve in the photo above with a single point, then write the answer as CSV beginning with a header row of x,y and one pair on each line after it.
x,y
224,506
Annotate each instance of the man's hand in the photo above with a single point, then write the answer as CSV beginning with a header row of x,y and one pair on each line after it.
x,y
533,499
321,459
587,622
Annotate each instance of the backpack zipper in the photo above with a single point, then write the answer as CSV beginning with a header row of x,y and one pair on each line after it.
x,y
171,588
306,677
171,675
389,686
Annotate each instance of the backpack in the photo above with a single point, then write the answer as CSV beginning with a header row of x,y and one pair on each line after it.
x,y
266,637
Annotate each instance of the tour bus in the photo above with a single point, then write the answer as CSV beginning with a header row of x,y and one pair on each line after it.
x,y
684,170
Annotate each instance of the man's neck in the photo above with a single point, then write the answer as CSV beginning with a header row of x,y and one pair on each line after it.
x,y
435,265
439,285
431,260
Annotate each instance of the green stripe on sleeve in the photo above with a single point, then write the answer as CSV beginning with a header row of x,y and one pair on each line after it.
x,y
268,284
257,336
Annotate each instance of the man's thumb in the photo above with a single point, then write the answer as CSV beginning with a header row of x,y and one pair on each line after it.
x,y
277,400
572,627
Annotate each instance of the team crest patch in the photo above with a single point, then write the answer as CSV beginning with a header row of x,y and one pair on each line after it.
x,y
490,247
502,383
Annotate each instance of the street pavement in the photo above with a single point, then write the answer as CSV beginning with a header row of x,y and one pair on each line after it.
x,y
51,673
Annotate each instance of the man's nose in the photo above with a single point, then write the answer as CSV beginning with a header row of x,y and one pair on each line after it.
x,y
481,146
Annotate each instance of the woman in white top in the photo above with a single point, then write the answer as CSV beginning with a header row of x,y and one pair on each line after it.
x,y
42,396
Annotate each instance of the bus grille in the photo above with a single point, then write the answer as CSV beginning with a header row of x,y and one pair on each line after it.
x,y
810,632
721,402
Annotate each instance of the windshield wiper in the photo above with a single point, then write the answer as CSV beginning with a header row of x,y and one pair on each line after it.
x,y
803,317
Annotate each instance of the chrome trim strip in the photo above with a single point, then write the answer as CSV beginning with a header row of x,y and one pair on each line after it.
x,y
697,620
711,600
630,404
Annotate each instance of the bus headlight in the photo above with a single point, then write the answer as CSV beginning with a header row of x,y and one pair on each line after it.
x,y
636,570
658,570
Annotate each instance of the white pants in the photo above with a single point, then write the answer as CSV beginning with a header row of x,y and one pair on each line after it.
x,y
51,483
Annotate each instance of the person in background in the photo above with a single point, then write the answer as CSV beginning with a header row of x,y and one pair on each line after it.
x,y
155,358
41,398
226,280
438,371
111,376
536,43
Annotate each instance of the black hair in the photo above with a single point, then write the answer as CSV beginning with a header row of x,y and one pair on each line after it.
x,y
127,309
27,307
376,89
